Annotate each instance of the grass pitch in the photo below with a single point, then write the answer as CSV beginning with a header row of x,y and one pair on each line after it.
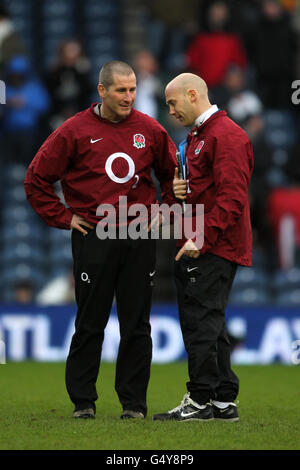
x,y
36,414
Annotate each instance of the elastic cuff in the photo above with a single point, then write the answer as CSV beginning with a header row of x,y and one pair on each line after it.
x,y
84,405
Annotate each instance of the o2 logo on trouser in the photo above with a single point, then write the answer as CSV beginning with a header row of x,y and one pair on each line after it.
x,y
131,169
85,278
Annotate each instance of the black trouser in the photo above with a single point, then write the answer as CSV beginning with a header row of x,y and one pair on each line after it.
x,y
102,269
203,285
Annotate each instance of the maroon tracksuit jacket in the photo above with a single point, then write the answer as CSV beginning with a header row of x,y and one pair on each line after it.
x,y
220,163
97,161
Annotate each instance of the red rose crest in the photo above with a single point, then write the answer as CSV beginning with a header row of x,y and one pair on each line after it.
x,y
139,141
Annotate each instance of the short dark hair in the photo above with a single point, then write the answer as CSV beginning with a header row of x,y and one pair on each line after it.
x,y
106,75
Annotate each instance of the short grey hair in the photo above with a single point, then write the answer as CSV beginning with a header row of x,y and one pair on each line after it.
x,y
106,75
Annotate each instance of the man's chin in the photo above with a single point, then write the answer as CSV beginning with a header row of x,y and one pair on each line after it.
x,y
124,112
186,123
183,122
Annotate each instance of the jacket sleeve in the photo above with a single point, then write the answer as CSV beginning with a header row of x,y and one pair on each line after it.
x,y
49,166
164,165
232,163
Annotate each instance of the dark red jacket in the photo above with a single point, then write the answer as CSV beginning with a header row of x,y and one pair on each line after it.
x,y
98,161
220,164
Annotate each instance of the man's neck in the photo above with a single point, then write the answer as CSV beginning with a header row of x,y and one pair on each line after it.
x,y
99,111
205,114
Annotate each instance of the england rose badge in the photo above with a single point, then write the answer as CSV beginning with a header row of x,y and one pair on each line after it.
x,y
139,141
199,147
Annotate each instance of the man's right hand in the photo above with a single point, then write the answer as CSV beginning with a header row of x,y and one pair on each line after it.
x,y
179,187
77,222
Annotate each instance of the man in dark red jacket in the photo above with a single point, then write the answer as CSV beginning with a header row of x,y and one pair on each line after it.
x,y
101,155
218,164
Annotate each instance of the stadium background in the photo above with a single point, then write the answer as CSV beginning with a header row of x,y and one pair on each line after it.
x,y
248,52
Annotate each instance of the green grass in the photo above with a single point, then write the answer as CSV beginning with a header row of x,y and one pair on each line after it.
x,y
35,412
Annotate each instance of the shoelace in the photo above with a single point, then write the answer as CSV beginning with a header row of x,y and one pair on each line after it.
x,y
184,402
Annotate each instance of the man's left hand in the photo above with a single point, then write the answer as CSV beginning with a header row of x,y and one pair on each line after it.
x,y
188,249
156,222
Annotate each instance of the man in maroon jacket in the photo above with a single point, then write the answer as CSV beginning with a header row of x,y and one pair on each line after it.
x,y
219,163
101,155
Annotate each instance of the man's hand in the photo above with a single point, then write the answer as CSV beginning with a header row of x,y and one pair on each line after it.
x,y
156,222
76,223
188,249
16,102
179,187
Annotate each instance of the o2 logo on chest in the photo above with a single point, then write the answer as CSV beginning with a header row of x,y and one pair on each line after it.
x,y
139,141
131,169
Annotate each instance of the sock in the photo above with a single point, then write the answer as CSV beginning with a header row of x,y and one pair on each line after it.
x,y
222,404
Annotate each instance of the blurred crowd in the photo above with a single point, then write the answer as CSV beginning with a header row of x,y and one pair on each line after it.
x,y
247,52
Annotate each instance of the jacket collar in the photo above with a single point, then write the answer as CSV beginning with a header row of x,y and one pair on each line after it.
x,y
206,115
197,129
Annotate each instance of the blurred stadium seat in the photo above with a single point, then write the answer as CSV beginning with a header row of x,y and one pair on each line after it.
x,y
57,29
14,173
252,286
20,272
14,194
289,298
60,255
102,45
56,236
101,9
99,29
259,259
101,23
253,296
58,21
14,213
20,251
279,130
58,8
22,14
19,7
22,231
289,279
58,270
251,277
287,287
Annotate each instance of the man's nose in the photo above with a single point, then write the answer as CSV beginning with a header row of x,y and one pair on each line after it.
x,y
128,96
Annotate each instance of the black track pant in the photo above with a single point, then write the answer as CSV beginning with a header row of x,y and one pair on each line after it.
x,y
203,286
104,269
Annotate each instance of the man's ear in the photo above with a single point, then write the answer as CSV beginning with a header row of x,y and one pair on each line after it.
x,y
101,90
192,95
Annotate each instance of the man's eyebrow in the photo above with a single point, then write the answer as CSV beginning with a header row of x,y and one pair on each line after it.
x,y
125,88
170,101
